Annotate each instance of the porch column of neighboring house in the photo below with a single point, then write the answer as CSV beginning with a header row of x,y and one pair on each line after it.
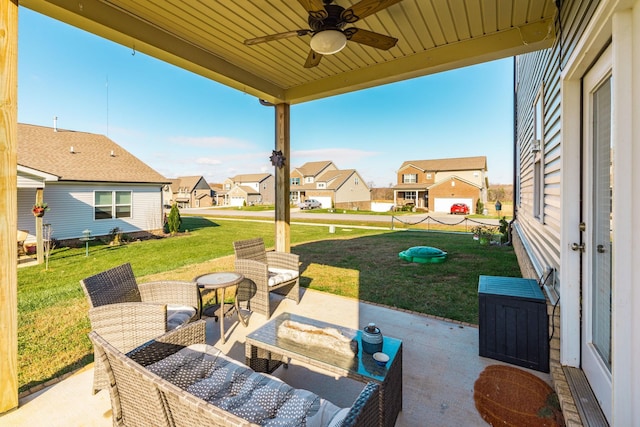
x,y
283,143
8,204
39,240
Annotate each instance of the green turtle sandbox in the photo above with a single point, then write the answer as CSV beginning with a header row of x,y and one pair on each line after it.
x,y
423,255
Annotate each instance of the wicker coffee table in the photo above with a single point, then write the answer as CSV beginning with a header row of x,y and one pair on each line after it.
x,y
265,351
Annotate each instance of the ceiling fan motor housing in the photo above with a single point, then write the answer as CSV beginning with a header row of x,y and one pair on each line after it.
x,y
333,21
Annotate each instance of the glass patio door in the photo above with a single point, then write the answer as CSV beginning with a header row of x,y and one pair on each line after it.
x,y
598,231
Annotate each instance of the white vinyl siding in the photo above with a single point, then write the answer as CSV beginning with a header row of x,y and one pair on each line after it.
x,y
537,152
533,70
72,209
350,192
543,238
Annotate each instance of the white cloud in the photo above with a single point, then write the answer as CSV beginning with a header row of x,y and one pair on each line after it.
x,y
208,161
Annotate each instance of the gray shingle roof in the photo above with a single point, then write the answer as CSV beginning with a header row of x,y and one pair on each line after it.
x,y
94,157
335,178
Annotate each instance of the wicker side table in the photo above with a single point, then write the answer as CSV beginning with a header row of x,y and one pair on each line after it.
x,y
219,282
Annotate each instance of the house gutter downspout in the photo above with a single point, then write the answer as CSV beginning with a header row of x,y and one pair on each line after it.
x,y
515,153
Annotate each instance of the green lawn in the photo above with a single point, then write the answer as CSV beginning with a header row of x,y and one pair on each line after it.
x,y
52,309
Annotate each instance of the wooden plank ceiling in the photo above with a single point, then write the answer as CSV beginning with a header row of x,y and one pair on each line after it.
x,y
206,37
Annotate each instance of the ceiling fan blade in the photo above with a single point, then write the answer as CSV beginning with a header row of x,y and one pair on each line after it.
x,y
369,38
278,36
313,59
365,8
315,8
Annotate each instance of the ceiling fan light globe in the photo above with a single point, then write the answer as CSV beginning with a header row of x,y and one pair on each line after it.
x,y
328,42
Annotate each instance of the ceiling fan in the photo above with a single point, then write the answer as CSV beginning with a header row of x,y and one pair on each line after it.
x,y
327,23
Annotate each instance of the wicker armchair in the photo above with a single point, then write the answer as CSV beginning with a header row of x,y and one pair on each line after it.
x,y
141,398
148,310
268,271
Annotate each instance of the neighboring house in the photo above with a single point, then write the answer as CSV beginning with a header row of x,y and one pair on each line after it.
x,y
218,194
576,200
88,181
250,189
190,192
437,184
333,187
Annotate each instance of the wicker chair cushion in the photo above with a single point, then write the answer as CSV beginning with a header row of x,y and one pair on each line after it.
x,y
281,275
207,373
179,315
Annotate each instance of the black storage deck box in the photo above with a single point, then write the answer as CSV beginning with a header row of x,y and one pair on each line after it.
x,y
513,322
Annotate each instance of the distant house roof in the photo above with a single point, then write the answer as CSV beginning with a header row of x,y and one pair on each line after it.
x,y
452,164
313,168
335,178
80,156
188,182
251,177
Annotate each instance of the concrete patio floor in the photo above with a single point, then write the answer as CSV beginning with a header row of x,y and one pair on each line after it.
x,y
440,366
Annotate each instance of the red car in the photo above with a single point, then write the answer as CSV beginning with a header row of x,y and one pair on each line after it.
x,y
459,208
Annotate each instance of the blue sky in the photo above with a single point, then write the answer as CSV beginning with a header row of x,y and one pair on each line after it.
x,y
183,124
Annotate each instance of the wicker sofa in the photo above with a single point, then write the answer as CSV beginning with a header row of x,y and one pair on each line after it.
x,y
177,380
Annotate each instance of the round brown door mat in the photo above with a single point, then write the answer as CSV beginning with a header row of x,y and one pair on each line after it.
x,y
508,396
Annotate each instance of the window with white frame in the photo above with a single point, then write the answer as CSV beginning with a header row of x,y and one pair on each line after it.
x,y
112,204
409,178
428,175
537,150
308,179
410,195
295,181
321,185
356,181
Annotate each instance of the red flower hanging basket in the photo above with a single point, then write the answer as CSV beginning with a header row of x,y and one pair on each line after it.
x,y
39,209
